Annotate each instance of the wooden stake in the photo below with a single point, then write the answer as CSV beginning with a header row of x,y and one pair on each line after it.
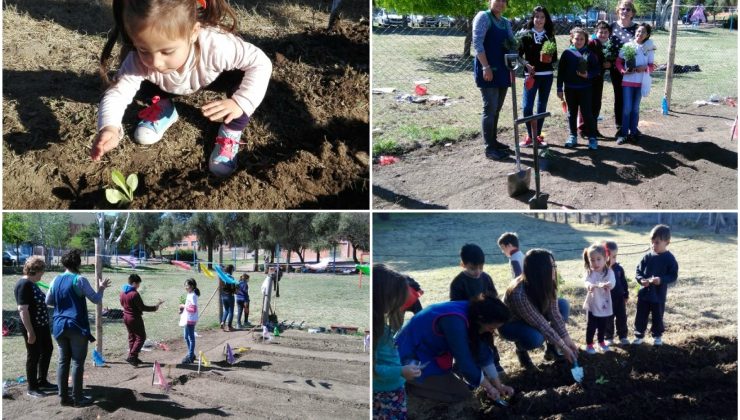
x,y
671,53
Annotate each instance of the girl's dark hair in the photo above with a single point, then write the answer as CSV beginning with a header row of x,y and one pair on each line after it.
x,y
487,310
229,269
134,278
599,249
648,29
549,27
173,17
191,282
610,247
539,286
244,276
390,290
72,260
602,24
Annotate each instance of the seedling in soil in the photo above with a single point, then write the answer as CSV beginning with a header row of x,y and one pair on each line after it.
x,y
602,380
126,187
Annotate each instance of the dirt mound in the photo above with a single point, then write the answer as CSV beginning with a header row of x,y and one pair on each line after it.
x,y
693,379
278,380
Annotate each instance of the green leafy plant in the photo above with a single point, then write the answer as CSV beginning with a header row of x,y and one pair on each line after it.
x,y
126,187
511,44
629,53
608,48
182,299
549,48
583,64
602,380
385,147
546,153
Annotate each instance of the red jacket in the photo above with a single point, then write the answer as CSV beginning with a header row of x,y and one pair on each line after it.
x,y
133,305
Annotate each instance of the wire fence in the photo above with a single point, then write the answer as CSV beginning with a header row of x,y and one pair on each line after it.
x,y
408,53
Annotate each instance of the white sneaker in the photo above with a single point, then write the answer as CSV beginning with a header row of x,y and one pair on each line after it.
x,y
624,341
155,120
637,341
620,140
657,341
609,342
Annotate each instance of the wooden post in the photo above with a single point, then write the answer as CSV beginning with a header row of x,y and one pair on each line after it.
x,y
671,53
98,307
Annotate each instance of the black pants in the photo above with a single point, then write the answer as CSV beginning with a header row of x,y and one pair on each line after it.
x,y
616,78
619,317
597,91
580,100
644,309
38,356
596,324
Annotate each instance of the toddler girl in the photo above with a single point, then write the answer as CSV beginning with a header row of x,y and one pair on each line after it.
x,y
177,47
189,317
636,81
576,69
599,281
390,290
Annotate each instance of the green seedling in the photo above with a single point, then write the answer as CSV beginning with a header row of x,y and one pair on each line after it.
x,y
549,48
602,380
126,187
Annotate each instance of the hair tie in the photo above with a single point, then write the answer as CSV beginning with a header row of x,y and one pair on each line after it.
x,y
202,3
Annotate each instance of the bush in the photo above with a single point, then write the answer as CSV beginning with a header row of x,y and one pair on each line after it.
x,y
732,18
183,255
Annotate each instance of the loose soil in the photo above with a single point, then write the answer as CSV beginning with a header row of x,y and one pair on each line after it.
x,y
683,161
297,376
307,144
694,379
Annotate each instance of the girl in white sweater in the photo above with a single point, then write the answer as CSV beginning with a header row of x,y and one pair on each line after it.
x,y
177,47
636,80
599,281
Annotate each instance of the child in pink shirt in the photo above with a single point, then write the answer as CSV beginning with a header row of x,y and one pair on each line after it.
x,y
599,281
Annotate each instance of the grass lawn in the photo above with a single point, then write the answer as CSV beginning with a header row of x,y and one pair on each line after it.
x,y
402,56
703,301
318,299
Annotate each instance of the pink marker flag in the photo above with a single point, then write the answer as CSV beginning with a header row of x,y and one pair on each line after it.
x,y
229,354
158,377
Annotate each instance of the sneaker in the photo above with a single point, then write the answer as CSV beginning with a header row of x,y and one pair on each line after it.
x,y
239,326
500,146
187,360
637,341
223,158
572,141
494,154
590,349
527,142
155,120
604,347
621,140
624,341
84,402
35,393
609,342
657,341
593,144
67,401
48,386
133,361
541,141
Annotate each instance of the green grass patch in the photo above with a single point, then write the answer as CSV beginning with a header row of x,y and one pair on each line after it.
x,y
318,299
385,147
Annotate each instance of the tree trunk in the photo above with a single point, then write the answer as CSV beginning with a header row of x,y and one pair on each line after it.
x,y
256,259
98,306
354,254
468,38
579,217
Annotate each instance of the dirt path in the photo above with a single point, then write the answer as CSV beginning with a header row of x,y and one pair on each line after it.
x,y
297,376
684,161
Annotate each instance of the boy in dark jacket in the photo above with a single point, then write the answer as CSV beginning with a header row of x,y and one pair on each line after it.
x,y
133,307
620,296
655,272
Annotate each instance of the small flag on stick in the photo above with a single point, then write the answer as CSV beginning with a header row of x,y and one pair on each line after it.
x,y
158,377
97,358
229,354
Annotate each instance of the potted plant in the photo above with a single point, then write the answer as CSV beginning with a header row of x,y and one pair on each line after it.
x,y
583,64
548,51
629,53
546,159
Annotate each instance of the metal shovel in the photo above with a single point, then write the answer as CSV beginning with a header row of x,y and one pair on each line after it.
x,y
577,372
539,201
516,182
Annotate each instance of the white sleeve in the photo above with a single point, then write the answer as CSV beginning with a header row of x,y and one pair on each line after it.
x,y
229,52
118,97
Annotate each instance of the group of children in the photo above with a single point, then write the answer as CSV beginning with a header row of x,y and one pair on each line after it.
x,y
580,77
133,308
606,299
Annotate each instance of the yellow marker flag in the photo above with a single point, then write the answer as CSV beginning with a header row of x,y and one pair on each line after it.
x,y
206,271
243,349
203,359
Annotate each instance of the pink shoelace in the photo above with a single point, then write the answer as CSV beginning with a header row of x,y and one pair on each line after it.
x,y
227,146
152,112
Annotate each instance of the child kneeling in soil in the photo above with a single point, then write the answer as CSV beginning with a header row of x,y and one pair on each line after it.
x,y
599,281
657,269
189,317
390,290
133,308
620,296
177,48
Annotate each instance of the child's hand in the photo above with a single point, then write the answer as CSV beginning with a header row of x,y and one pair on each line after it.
x,y
106,140
410,372
656,280
645,282
582,74
590,287
225,108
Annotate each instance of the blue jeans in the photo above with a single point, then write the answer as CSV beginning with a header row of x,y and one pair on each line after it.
x,y
525,336
72,346
189,332
631,109
228,316
541,88
241,309
493,101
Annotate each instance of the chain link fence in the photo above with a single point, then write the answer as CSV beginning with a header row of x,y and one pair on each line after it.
x,y
433,50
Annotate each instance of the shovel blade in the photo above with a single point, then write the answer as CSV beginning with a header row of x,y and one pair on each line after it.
x,y
539,202
518,182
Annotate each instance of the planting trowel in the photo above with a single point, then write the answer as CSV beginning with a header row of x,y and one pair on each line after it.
x,y
577,372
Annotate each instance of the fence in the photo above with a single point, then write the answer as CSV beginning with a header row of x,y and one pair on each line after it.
x,y
403,55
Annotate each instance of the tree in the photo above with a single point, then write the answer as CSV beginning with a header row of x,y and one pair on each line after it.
x,y
48,230
326,228
15,230
355,228
292,231
252,234
205,226
109,242
146,224
170,230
